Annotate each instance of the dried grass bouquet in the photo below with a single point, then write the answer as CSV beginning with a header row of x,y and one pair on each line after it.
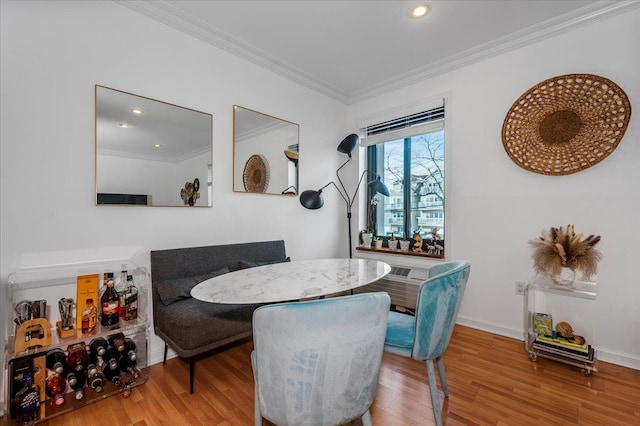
x,y
562,247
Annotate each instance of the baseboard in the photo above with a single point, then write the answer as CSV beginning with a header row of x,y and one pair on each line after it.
x,y
604,354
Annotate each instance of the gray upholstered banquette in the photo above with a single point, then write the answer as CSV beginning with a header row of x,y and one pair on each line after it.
x,y
192,327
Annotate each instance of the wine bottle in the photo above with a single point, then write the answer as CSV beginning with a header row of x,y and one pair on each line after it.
x,y
56,360
27,401
96,381
130,349
78,385
112,375
98,346
110,303
71,377
78,357
120,288
117,341
110,358
55,387
127,365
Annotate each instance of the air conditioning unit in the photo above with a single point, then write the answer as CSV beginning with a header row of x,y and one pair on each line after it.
x,y
401,284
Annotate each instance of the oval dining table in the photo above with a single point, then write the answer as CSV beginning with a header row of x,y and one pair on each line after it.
x,y
289,281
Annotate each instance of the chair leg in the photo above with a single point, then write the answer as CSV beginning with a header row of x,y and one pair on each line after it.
x,y
433,387
257,416
366,419
166,348
443,377
192,369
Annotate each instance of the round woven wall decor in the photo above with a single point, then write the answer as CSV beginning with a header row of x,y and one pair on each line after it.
x,y
566,124
255,175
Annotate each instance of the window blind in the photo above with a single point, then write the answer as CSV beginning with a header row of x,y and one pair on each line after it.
x,y
399,128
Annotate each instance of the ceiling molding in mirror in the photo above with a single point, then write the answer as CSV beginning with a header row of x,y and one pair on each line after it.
x,y
265,153
150,152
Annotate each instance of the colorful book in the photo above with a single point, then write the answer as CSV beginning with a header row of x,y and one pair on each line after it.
x,y
542,324
562,342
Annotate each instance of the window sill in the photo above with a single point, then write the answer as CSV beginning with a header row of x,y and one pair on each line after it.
x,y
400,253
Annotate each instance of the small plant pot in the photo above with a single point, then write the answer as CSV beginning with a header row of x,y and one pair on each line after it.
x,y
366,240
393,244
378,244
404,245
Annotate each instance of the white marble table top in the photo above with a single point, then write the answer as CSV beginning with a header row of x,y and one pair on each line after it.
x,y
290,281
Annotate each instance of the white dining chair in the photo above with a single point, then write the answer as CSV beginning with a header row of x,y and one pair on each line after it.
x,y
318,362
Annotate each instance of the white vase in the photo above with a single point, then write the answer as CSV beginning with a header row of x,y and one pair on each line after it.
x,y
393,244
566,277
366,240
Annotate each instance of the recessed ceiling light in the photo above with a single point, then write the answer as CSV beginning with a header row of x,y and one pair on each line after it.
x,y
420,11
124,125
137,111
157,145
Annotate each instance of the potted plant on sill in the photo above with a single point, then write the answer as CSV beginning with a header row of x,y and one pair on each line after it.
x,y
377,242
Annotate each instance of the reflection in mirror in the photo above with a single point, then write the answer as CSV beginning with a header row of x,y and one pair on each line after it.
x,y
265,153
150,152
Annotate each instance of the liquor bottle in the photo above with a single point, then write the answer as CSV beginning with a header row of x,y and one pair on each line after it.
x,y
117,341
56,360
127,365
110,358
78,357
130,349
130,300
78,385
98,346
110,303
92,366
112,375
71,377
55,387
27,401
89,318
120,288
96,381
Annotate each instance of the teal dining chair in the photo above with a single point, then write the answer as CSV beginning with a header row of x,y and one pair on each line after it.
x,y
426,336
318,362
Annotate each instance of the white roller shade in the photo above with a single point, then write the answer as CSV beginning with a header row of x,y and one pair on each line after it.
x,y
399,128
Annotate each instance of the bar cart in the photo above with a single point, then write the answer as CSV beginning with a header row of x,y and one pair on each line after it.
x,y
547,303
35,329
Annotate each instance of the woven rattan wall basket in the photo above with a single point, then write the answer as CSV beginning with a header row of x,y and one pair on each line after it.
x,y
566,124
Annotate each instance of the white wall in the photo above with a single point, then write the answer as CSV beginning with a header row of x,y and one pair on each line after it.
x,y
495,207
53,53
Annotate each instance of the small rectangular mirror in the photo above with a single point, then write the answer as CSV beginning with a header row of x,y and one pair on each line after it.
x,y
150,152
265,153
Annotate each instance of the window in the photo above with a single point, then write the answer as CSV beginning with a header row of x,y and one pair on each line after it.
x,y
408,154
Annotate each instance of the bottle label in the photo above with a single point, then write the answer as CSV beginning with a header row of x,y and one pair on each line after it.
x,y
29,402
110,308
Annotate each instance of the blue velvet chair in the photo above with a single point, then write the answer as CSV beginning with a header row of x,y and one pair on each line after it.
x,y
426,336
318,362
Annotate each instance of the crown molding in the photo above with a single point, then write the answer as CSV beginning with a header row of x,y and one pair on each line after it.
x,y
167,14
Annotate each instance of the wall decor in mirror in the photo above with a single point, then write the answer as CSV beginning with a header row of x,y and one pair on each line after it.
x,y
265,153
150,152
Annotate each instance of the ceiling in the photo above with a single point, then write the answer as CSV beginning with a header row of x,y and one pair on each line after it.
x,y
354,50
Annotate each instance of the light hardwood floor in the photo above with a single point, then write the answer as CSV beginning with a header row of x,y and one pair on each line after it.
x,y
491,382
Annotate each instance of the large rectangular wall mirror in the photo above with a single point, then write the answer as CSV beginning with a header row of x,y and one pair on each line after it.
x,y
150,152
265,153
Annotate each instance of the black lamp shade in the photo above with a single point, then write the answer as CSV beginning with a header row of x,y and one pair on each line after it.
x,y
379,187
311,199
348,144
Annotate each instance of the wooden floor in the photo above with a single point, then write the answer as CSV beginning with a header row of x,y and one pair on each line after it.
x,y
491,382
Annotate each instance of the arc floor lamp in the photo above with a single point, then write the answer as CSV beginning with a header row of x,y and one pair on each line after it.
x,y
311,199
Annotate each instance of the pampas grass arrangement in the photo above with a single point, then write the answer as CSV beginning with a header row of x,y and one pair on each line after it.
x,y
562,247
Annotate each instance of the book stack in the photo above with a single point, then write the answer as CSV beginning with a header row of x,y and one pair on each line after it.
x,y
549,340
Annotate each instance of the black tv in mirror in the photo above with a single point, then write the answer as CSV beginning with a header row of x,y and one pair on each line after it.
x,y
133,199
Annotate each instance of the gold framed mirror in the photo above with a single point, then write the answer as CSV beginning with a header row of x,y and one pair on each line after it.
x,y
150,152
265,153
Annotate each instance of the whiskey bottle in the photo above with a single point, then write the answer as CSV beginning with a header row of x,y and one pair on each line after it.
x,y
56,360
71,377
110,304
78,385
55,387
120,288
130,300
78,357
128,366
27,401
